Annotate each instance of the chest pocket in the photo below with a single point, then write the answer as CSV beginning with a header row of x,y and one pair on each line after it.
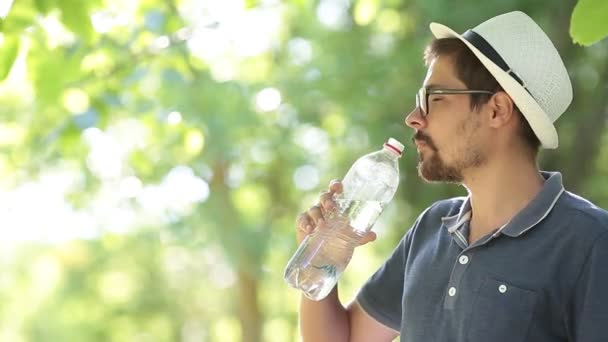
x,y
501,312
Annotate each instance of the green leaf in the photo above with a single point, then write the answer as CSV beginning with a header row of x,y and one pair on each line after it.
x,y
251,3
588,24
22,15
51,70
75,16
44,6
9,51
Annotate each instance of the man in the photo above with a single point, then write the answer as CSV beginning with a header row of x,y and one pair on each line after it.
x,y
519,259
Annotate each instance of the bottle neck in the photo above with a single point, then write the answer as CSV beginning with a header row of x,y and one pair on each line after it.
x,y
391,151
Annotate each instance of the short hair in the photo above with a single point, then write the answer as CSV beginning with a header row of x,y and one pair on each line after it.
x,y
475,76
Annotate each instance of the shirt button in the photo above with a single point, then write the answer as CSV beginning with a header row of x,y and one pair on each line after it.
x,y
452,291
502,288
463,259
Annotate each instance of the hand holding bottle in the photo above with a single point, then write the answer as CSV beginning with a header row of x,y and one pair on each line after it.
x,y
316,217
329,231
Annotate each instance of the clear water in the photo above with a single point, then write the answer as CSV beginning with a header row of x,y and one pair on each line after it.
x,y
362,214
323,255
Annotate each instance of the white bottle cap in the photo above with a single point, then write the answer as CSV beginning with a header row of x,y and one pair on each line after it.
x,y
395,145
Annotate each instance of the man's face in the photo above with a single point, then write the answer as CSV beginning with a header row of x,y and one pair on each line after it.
x,y
449,139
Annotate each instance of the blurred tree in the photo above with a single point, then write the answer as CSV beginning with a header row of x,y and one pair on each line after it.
x,y
187,135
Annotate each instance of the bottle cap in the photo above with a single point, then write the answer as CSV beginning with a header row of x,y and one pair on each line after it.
x,y
395,145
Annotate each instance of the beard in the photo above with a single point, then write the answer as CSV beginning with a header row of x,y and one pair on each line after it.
x,y
433,168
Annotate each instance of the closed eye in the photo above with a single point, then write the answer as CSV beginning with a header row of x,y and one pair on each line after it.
x,y
435,99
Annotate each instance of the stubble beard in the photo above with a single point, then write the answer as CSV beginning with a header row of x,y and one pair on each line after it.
x,y
433,169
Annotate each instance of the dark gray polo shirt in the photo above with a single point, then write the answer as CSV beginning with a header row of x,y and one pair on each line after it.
x,y
541,277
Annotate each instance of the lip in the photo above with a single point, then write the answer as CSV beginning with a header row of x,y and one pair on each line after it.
x,y
420,144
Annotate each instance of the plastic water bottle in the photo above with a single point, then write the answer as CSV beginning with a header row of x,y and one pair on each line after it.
x,y
324,254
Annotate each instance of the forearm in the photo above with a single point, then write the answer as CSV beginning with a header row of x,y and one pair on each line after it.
x,y
325,320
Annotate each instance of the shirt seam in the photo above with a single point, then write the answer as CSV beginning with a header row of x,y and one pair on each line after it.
x,y
579,212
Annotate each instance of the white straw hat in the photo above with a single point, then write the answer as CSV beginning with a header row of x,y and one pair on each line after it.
x,y
524,61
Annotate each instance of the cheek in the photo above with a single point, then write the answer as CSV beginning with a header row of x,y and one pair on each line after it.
x,y
447,144
471,128
474,139
456,142
451,151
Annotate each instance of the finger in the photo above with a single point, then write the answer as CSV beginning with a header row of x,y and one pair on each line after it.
x,y
315,214
335,186
326,201
368,237
303,223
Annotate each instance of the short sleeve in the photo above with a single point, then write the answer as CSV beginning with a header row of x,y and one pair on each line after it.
x,y
380,296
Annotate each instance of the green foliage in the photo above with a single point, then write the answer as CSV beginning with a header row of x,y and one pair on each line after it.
x,y
588,24
75,15
179,175
9,48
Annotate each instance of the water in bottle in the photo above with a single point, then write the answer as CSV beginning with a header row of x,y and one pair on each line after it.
x,y
323,255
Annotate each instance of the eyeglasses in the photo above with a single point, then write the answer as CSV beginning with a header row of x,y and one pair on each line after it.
x,y
422,97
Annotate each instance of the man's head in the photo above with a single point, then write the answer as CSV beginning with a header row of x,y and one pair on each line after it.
x,y
474,108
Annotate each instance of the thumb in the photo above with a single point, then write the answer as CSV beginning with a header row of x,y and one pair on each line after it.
x,y
368,237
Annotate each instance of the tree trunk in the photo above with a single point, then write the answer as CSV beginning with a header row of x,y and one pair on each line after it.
x,y
246,300
248,308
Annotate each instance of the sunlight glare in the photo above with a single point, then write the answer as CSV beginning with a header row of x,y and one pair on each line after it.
x,y
174,118
306,177
268,99
5,7
333,13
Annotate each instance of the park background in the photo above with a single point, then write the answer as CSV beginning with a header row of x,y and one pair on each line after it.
x,y
155,153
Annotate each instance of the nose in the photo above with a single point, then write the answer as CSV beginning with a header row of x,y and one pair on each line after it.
x,y
415,119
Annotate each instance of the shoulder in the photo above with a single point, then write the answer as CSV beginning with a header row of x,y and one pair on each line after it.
x,y
445,208
583,213
431,219
440,210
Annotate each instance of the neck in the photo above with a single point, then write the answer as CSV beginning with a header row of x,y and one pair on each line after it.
x,y
499,190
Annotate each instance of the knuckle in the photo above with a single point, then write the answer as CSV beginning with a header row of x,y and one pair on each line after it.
x,y
328,203
326,197
323,196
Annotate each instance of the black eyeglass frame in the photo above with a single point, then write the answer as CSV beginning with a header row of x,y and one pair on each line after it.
x,y
424,93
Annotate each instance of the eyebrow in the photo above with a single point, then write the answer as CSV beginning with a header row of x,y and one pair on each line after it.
x,y
436,86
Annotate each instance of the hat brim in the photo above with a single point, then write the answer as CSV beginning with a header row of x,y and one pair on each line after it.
x,y
537,118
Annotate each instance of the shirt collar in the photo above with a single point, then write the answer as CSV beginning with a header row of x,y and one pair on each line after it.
x,y
527,218
454,222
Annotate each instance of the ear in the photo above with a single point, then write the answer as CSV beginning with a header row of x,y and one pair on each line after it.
x,y
502,107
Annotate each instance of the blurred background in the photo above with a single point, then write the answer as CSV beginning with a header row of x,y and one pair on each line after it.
x,y
155,153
